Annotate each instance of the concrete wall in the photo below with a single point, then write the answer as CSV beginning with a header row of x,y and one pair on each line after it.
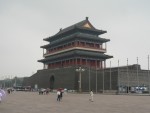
x,y
99,80
68,78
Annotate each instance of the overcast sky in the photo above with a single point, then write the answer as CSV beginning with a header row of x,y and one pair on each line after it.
x,y
24,24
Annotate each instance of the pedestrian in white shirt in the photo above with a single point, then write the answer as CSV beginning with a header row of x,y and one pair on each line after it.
x,y
91,96
58,95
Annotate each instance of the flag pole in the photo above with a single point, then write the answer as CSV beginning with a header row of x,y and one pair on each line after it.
x,y
127,77
148,74
110,75
137,73
118,79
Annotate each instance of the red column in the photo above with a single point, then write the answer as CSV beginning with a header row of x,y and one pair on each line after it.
x,y
76,62
96,64
89,63
86,62
101,64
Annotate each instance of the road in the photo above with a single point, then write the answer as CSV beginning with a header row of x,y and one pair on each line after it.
x,y
32,102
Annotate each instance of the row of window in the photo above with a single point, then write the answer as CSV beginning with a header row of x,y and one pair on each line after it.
x,y
72,44
71,62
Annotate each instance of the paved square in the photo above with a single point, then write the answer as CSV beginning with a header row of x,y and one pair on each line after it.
x,y
32,102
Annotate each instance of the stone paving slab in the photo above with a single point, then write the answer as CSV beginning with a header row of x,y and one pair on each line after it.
x,y
32,102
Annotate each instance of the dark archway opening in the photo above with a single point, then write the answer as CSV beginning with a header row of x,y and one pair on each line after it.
x,y
51,81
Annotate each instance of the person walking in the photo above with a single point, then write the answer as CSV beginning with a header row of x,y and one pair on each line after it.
x,y
61,94
58,95
91,96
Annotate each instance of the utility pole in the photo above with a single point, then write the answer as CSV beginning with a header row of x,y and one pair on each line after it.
x,y
103,80
127,77
89,80
118,79
137,74
80,70
148,74
96,78
110,75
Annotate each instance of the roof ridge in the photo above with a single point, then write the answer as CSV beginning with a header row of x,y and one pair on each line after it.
x,y
78,24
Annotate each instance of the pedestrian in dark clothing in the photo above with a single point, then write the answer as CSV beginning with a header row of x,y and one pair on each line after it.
x,y
61,95
58,95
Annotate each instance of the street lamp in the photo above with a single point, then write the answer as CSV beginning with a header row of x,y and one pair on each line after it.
x,y
80,70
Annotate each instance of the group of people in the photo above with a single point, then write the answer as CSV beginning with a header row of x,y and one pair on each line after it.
x,y
60,95
9,90
44,91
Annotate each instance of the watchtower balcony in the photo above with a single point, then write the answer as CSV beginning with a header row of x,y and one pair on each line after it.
x,y
72,46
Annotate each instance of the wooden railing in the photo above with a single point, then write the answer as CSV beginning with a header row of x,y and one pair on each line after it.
x,y
73,46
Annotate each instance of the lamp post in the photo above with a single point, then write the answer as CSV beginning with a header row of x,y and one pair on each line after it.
x,y
119,78
80,70
127,77
137,74
89,80
110,76
148,74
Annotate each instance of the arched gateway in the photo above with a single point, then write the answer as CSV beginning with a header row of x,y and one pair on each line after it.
x,y
51,82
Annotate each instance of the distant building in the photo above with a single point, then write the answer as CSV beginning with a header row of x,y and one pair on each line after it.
x,y
79,48
76,46
131,79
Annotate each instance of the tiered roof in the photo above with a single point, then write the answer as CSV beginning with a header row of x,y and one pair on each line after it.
x,y
72,53
83,30
83,25
76,35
